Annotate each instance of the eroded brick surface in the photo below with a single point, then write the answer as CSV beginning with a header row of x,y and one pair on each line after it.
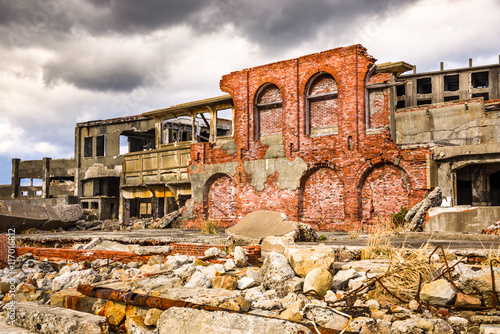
x,y
354,174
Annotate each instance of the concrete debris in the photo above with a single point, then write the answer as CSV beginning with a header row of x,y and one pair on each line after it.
x,y
416,216
257,225
492,229
294,290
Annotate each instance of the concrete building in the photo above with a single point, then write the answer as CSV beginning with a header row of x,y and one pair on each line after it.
x,y
332,139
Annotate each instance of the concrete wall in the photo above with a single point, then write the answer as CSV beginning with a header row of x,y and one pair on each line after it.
x,y
461,219
449,123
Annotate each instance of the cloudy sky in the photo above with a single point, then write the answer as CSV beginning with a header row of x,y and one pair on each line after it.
x,y
68,61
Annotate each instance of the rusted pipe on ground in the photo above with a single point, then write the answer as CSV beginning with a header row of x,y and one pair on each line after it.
x,y
136,299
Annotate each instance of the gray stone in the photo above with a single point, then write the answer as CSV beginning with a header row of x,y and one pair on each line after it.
x,y
293,285
318,280
246,283
229,265
458,321
489,329
198,280
407,326
240,257
183,320
75,278
275,271
55,320
437,292
322,316
213,251
358,324
185,271
153,249
341,279
175,261
32,266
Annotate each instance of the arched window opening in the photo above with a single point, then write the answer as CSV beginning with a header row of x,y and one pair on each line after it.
x,y
321,105
268,111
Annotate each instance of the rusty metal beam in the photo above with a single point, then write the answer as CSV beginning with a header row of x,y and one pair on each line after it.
x,y
136,299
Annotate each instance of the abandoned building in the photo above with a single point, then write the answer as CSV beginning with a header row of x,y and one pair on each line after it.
x,y
332,139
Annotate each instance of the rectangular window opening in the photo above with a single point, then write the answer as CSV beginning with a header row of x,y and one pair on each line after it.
x,y
401,90
25,182
94,205
486,96
124,147
480,80
38,193
423,101
203,121
224,122
401,104
451,98
424,86
100,145
451,83
24,193
87,147
37,182
85,205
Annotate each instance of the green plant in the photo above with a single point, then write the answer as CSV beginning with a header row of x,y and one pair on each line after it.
x,y
210,227
322,237
398,218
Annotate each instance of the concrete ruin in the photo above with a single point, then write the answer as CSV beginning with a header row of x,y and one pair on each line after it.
x,y
332,139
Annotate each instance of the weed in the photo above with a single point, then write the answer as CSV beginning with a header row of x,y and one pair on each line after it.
x,y
322,238
398,218
210,227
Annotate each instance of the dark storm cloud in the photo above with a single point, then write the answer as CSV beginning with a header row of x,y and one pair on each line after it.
x,y
59,25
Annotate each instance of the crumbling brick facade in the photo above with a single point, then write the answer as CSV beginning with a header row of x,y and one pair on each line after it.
x,y
354,172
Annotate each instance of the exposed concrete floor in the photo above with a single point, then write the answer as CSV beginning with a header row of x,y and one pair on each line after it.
x,y
452,241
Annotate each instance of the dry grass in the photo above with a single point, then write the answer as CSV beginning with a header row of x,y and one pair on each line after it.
x,y
403,274
210,227
378,244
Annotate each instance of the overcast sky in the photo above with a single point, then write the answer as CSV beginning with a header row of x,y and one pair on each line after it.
x,y
69,61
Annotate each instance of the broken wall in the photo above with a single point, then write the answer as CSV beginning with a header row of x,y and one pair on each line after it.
x,y
333,179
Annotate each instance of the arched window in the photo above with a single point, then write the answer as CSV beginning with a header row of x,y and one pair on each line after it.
x,y
321,105
268,110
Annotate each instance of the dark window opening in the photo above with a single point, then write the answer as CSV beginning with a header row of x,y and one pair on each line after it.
x,y
480,80
400,104
177,130
401,90
85,205
451,83
87,147
464,186
203,122
424,86
137,141
451,98
423,101
495,189
100,143
486,96
94,205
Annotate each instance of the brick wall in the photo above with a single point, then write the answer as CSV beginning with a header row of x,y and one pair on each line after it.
x,y
270,121
221,201
4,250
334,198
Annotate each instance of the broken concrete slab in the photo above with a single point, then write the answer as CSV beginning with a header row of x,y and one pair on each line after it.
x,y
416,216
21,216
257,225
55,320
181,320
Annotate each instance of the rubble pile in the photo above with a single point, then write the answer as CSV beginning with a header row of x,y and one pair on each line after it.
x,y
292,292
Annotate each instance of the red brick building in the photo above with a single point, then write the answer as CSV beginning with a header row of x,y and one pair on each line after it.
x,y
312,139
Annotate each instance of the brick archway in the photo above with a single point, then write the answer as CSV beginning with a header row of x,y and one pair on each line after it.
x,y
321,196
384,189
219,197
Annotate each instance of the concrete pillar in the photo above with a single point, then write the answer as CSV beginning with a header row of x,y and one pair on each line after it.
x,y
46,178
16,182
445,182
479,185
